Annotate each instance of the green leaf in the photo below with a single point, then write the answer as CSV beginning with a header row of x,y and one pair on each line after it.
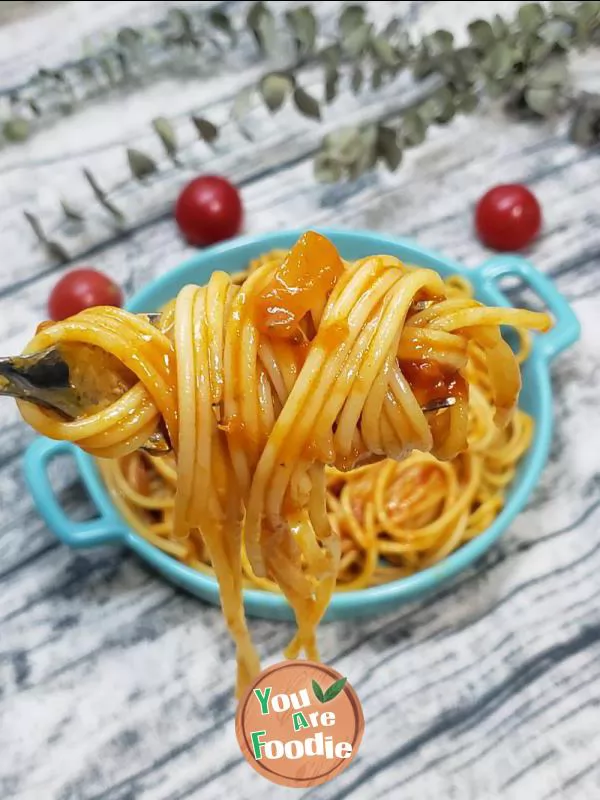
x,y
16,129
261,22
388,147
102,198
71,213
345,145
241,106
326,170
384,52
499,27
542,101
53,248
331,55
165,132
274,88
306,104
351,18
467,102
356,41
318,691
334,690
206,130
356,81
129,37
140,164
585,123
332,77
553,73
303,25
481,34
414,129
440,106
377,78
531,16
499,60
441,41
219,20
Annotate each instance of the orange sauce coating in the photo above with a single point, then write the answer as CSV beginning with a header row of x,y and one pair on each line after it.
x,y
301,283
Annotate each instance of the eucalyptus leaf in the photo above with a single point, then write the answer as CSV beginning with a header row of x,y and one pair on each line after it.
x,y
467,102
542,101
389,147
414,129
306,104
241,106
345,145
552,73
369,136
351,18
331,55
499,60
384,52
140,164
494,88
585,124
530,16
326,170
219,20
377,78
481,34
332,77
71,213
53,248
16,129
274,88
102,198
356,81
206,130
303,25
562,10
440,42
356,41
129,37
166,133
261,22
500,28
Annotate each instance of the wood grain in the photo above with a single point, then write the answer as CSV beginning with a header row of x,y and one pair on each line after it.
x,y
114,685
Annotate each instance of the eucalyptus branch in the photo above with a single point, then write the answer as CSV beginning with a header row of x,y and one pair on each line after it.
x,y
522,62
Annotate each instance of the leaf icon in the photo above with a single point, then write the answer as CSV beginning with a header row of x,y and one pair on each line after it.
x,y
334,690
318,692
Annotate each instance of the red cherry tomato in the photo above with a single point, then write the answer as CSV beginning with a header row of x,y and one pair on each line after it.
x,y
82,288
208,210
508,217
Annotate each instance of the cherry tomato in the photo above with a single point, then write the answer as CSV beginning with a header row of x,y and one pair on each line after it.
x,y
82,288
208,210
508,217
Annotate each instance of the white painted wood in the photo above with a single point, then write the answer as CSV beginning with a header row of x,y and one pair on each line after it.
x,y
112,684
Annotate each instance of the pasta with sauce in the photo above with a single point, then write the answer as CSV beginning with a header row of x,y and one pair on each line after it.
x,y
308,447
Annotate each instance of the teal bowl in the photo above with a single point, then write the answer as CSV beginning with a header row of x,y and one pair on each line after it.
x,y
536,398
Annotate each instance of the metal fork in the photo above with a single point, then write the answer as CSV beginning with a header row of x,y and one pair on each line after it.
x,y
45,379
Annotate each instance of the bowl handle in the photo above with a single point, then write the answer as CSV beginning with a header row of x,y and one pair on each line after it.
x,y
106,528
566,328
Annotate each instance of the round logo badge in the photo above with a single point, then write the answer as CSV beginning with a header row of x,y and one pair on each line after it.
x,y
299,724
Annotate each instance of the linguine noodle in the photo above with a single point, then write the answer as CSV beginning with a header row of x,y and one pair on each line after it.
x,y
293,397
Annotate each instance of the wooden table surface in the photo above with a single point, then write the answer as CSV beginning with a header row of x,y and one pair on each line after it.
x,y
113,684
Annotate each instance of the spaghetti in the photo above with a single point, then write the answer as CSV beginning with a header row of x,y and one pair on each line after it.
x,y
293,397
